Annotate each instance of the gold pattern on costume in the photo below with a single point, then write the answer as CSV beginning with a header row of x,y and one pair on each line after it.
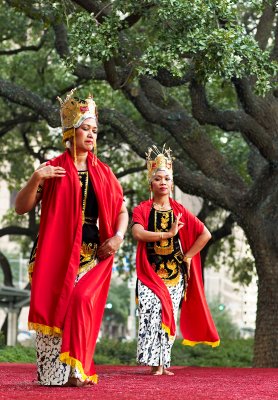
x,y
87,267
84,179
30,271
164,220
162,273
164,246
164,242
174,275
86,251
173,281
172,265
88,254
168,268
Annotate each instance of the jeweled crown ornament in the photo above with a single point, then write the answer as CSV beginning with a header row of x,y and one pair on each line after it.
x,y
159,160
74,111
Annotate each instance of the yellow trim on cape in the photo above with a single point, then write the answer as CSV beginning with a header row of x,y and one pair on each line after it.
x,y
46,330
186,342
167,330
73,362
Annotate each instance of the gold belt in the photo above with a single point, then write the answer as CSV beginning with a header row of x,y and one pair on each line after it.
x,y
90,221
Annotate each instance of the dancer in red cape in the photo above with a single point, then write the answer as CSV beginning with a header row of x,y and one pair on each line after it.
x,y
169,270
82,225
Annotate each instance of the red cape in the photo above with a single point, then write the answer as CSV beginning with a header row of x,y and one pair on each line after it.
x,y
196,323
56,304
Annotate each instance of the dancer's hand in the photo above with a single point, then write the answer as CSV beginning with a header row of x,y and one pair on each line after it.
x,y
109,247
177,225
49,171
187,260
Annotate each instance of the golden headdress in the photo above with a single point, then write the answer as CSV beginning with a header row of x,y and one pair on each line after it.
x,y
74,111
159,160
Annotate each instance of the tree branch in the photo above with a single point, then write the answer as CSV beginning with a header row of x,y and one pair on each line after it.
x,y
83,72
262,193
61,40
233,121
132,19
8,125
96,7
265,25
165,78
86,73
111,74
206,209
220,233
252,105
155,107
24,48
32,12
130,171
29,148
274,53
19,95
189,181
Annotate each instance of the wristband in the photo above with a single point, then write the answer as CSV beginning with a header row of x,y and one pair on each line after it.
x,y
119,233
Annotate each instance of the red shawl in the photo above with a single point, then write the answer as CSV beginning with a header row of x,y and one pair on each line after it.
x,y
196,323
56,304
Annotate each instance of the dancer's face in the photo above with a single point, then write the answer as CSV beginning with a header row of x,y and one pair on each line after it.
x,y
161,183
86,135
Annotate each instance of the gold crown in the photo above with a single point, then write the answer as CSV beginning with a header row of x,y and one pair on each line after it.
x,y
162,160
74,111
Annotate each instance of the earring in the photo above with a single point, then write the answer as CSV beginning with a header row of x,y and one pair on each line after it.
x,y
151,192
172,189
68,144
95,148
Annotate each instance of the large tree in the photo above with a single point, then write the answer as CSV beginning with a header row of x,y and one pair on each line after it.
x,y
199,75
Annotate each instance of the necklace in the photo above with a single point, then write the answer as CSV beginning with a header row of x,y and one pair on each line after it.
x,y
163,206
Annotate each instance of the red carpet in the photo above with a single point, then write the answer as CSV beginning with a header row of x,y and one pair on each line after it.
x,y
17,381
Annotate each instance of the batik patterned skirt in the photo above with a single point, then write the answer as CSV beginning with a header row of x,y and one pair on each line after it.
x,y
154,346
51,371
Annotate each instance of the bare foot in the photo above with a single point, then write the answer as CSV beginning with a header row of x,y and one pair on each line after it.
x,y
166,372
75,382
157,370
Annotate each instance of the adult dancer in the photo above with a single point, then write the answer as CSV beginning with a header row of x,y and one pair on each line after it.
x,y
82,225
169,271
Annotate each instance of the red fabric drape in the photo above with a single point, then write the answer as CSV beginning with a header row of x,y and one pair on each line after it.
x,y
196,322
57,306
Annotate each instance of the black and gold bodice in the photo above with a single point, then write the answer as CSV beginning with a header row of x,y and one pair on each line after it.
x,y
165,255
90,234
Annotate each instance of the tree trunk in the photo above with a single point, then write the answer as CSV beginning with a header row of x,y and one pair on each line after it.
x,y
262,239
266,338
